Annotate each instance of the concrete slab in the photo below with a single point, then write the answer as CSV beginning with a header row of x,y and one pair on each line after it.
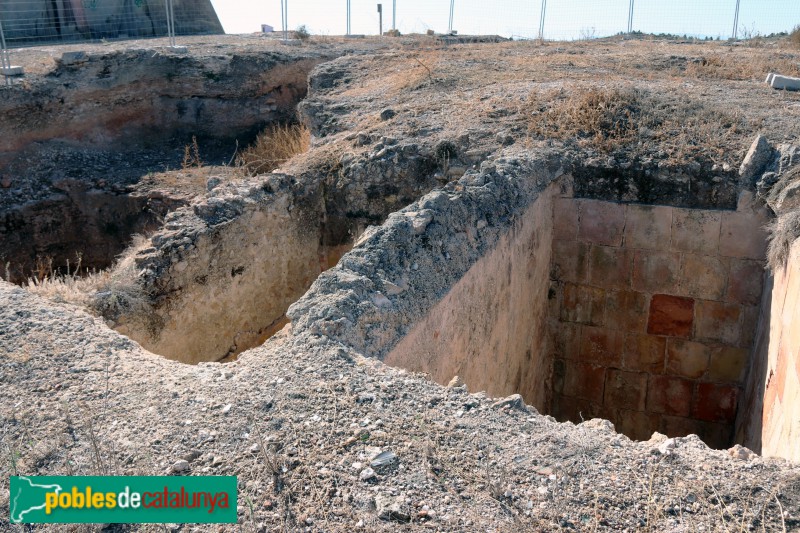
x,y
13,71
786,83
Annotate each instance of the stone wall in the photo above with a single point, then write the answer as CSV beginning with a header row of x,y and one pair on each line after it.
x,y
653,311
490,329
770,419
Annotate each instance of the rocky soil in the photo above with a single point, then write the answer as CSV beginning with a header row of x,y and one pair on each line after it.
x,y
325,437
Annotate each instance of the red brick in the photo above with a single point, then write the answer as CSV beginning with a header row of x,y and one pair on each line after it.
x,y
675,426
602,346
585,381
703,276
745,282
566,340
648,226
687,358
728,364
715,403
644,353
656,271
696,231
570,261
669,395
670,315
582,304
718,321
742,235
601,222
565,219
626,311
626,390
637,425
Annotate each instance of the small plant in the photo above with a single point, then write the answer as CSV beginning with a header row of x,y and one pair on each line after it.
x,y
273,147
302,33
794,37
191,155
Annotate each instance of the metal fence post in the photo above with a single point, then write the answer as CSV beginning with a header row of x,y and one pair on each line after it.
x,y
736,21
450,24
394,14
541,20
348,17
630,18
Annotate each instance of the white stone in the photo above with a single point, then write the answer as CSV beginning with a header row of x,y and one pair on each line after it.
x,y
786,83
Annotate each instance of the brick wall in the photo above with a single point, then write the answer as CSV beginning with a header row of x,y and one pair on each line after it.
x,y
652,312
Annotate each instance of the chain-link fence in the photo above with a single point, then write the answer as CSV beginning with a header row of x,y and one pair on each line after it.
x,y
528,19
27,22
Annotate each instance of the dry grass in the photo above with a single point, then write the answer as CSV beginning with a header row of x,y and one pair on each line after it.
x,y
794,37
273,147
107,293
616,120
782,234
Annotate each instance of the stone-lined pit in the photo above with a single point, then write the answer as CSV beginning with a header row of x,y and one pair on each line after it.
x,y
644,315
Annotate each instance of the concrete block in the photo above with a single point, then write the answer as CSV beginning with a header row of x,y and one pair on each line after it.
x,y
703,276
656,271
669,395
728,364
602,346
670,315
696,231
715,403
745,282
648,227
626,311
742,235
610,267
687,359
601,222
718,321
583,304
644,353
785,83
585,381
570,261
73,58
754,163
625,390
13,70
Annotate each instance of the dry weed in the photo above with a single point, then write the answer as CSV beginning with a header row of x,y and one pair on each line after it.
x,y
108,292
274,147
616,120
783,231
794,37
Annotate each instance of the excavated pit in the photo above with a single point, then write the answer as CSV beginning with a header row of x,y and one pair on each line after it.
x,y
641,314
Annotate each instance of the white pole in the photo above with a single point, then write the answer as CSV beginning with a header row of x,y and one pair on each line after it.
x,y
450,25
348,17
541,20
736,21
394,14
630,18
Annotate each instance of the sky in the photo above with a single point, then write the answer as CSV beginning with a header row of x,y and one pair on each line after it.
x,y
564,19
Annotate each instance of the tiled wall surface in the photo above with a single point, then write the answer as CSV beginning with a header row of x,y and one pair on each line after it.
x,y
652,313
